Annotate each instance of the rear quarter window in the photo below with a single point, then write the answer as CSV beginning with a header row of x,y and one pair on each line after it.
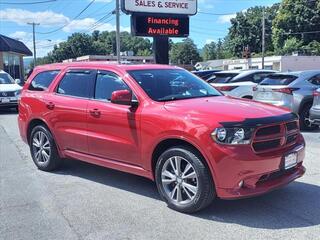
x,y
278,80
42,80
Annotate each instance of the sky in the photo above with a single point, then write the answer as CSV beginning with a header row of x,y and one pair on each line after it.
x,y
60,18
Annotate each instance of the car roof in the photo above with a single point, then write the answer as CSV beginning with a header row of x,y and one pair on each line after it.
x,y
244,73
104,65
300,73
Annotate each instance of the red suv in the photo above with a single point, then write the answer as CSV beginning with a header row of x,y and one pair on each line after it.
x,y
162,123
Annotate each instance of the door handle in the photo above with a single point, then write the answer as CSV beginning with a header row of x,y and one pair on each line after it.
x,y
50,105
95,112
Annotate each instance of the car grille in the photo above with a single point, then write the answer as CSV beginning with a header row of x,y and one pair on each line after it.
x,y
7,94
277,136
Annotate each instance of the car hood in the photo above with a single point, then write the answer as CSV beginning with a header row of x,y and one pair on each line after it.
x,y
223,109
9,87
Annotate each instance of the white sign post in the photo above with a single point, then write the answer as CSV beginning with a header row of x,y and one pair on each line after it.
x,y
183,7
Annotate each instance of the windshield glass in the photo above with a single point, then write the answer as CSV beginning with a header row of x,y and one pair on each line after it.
x,y
279,79
6,79
222,77
172,84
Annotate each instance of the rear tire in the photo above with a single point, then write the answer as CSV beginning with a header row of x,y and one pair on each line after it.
x,y
305,123
184,190
43,149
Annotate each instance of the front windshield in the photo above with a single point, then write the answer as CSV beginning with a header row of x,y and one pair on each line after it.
x,y
172,84
6,79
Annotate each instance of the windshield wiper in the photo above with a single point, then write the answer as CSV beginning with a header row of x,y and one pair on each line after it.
x,y
185,98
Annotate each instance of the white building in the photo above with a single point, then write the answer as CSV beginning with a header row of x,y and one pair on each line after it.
x,y
279,63
126,59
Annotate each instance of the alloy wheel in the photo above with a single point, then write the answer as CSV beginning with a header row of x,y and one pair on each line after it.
x,y
179,180
41,147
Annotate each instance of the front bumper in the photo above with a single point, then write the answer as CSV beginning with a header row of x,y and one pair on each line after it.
x,y
315,116
259,173
9,104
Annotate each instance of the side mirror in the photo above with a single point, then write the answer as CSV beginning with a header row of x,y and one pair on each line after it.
x,y
123,97
17,81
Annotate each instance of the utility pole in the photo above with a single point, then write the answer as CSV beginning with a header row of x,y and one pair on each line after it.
x,y
263,35
34,42
118,30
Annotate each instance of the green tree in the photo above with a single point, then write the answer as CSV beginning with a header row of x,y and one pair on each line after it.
x,y
246,30
210,51
312,48
99,43
291,45
78,44
184,52
299,19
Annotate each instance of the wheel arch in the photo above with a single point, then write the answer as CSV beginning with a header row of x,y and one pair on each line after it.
x,y
304,102
174,142
36,122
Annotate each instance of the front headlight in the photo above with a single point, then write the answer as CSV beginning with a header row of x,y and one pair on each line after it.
x,y
232,136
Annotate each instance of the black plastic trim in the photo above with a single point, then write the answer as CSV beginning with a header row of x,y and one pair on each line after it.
x,y
257,122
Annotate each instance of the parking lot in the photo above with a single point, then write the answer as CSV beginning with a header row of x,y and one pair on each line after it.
x,y
83,201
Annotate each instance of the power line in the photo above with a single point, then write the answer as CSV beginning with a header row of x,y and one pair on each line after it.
x,y
27,3
99,22
298,33
99,10
78,15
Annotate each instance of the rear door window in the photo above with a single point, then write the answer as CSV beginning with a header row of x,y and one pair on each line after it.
x,y
315,80
42,80
279,79
258,77
222,77
78,83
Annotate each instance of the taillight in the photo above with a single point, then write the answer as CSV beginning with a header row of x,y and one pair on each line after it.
x,y
226,88
285,90
316,94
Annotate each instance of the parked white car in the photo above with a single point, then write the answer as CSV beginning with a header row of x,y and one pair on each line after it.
x,y
10,91
238,83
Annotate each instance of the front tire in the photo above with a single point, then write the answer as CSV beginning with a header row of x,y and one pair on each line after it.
x,y
43,149
183,180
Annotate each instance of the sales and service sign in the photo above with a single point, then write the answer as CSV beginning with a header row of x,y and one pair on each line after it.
x,y
182,7
153,26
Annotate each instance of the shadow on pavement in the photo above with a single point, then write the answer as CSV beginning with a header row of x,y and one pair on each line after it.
x,y
294,206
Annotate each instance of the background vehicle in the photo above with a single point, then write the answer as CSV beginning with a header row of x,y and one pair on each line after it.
x,y
315,110
293,90
205,74
238,83
9,91
157,121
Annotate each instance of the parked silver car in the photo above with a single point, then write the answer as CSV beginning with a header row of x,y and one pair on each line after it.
x,y
315,110
293,90
238,83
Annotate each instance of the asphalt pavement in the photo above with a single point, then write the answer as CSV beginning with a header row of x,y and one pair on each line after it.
x,y
83,201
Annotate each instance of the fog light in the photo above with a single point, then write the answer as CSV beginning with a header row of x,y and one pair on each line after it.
x,y
240,184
